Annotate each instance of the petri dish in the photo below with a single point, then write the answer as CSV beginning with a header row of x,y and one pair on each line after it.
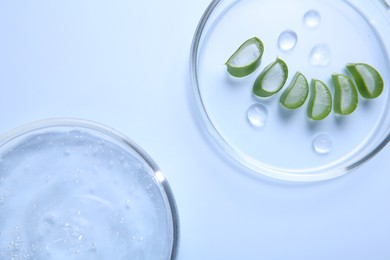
x,y
74,189
315,37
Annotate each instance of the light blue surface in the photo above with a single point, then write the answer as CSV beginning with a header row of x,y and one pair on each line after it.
x,y
125,64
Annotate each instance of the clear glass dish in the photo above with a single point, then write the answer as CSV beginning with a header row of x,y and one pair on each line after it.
x,y
316,37
72,189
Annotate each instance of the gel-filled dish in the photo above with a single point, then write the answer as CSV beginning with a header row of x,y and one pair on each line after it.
x,y
316,38
71,189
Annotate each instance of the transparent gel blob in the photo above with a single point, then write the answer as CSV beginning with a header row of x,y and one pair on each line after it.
x,y
257,115
312,19
287,40
322,143
320,55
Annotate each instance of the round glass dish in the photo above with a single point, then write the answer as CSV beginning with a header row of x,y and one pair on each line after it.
x,y
315,37
72,189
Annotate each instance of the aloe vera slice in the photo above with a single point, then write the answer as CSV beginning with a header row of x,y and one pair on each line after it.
x,y
296,93
368,80
246,58
320,102
271,79
345,94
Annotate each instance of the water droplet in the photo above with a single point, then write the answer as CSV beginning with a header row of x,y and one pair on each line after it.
x,y
287,40
312,19
320,55
322,144
257,115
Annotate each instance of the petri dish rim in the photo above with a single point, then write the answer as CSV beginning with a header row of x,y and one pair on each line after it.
x,y
165,188
223,145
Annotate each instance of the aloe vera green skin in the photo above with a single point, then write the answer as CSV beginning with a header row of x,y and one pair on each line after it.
x,y
296,93
242,71
364,74
271,73
345,95
320,102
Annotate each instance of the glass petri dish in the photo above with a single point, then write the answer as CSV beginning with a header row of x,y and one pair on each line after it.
x,y
73,189
315,37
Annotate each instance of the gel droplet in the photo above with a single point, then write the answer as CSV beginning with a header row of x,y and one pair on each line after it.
x,y
312,19
257,115
320,55
287,40
322,144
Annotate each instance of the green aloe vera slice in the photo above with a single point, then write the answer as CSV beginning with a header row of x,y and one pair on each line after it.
x,y
345,94
368,80
271,79
246,58
320,102
296,93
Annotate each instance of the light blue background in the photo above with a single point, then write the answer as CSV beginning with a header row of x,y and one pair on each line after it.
x,y
125,64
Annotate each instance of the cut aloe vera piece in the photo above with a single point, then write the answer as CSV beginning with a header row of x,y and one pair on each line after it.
x,y
320,102
271,79
345,94
368,80
246,58
296,93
